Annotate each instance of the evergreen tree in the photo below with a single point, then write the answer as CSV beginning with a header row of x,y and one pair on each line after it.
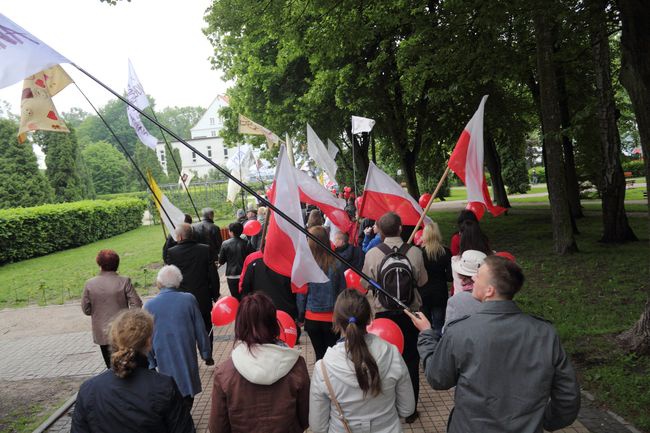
x,y
61,151
146,159
110,171
21,183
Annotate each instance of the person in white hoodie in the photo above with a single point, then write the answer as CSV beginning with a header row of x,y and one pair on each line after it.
x,y
264,385
369,381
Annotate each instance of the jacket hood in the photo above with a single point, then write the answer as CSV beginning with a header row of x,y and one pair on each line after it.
x,y
264,364
339,365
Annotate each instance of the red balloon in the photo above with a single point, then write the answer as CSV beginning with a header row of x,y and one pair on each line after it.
x,y
224,311
252,227
387,330
347,189
288,328
346,195
424,200
477,207
353,281
417,238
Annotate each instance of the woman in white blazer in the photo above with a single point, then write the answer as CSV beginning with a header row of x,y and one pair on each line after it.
x,y
368,377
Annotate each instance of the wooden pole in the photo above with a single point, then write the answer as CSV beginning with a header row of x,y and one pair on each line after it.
x,y
426,209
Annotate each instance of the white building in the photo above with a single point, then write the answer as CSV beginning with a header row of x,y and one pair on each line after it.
x,y
205,138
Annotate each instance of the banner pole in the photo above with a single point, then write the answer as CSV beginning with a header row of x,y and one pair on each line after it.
x,y
426,209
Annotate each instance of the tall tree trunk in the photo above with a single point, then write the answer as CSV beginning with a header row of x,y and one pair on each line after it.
x,y
493,164
637,338
563,239
407,162
615,225
635,70
573,188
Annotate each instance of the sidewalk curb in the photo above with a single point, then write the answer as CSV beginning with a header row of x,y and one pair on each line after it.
x,y
615,416
56,415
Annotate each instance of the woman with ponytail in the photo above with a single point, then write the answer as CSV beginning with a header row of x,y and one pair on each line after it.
x,y
129,397
362,383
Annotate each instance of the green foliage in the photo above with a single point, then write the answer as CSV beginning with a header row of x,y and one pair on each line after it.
x,y
35,231
74,117
179,119
21,183
109,169
539,171
146,159
635,166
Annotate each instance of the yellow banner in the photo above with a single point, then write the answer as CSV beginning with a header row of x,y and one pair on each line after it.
x,y
247,126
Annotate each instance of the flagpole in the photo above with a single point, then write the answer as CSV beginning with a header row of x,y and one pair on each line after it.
x,y
146,181
374,285
171,153
426,209
354,167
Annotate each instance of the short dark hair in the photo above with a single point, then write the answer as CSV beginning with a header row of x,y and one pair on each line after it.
x,y
389,224
256,321
236,228
188,219
505,275
108,260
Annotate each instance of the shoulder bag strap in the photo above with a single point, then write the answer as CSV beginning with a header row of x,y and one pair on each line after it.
x,y
333,397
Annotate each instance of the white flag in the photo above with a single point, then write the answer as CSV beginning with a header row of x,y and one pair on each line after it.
x,y
136,123
318,152
332,149
23,54
362,124
239,165
134,91
185,177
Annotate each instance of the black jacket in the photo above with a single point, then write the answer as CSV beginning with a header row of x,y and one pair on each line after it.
x,y
200,277
435,291
233,253
259,278
354,255
206,232
143,402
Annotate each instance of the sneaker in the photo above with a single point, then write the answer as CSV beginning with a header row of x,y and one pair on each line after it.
x,y
411,418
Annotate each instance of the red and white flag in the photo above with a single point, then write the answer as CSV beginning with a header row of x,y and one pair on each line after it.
x,y
312,192
467,162
286,250
382,194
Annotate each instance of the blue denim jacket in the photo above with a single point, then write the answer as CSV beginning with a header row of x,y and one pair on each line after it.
x,y
320,297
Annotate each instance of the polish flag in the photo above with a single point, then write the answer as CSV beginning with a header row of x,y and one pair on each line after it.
x,y
312,192
467,162
286,250
382,194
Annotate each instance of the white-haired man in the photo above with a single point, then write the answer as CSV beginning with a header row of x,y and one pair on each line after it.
x,y
178,329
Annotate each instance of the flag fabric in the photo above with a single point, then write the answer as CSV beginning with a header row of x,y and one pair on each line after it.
x,y
319,153
247,126
174,215
23,54
185,178
311,192
382,194
239,165
362,124
37,111
136,96
467,162
286,250
332,150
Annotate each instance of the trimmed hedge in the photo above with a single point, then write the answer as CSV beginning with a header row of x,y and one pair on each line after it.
x,y
36,231
635,166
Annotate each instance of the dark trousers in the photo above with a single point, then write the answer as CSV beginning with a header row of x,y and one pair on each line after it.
x,y
207,321
106,354
233,286
410,355
188,402
438,318
321,335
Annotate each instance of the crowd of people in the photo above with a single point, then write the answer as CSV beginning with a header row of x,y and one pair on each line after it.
x,y
510,371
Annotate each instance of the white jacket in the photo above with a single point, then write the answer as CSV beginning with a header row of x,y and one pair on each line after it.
x,y
378,414
266,364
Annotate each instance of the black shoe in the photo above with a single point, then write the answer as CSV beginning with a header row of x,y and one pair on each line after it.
x,y
411,418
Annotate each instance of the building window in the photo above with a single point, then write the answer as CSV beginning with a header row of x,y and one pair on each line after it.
x,y
210,152
211,120
213,133
225,152
193,157
162,156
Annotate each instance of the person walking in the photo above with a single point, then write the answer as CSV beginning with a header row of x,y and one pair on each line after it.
x,y
362,381
104,296
233,253
437,262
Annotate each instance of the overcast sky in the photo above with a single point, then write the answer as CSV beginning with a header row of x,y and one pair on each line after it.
x,y
163,39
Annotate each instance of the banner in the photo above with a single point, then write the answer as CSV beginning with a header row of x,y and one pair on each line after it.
x,y
362,124
247,126
319,153
177,216
136,96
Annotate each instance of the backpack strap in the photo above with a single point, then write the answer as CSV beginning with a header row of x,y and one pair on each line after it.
x,y
330,391
403,249
384,248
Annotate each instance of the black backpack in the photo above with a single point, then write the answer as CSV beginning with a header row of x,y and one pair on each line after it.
x,y
395,275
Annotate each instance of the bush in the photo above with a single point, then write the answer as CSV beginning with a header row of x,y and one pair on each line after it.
x,y
635,166
36,231
540,172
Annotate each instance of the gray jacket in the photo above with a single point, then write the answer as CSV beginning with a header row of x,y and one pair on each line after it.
x,y
510,372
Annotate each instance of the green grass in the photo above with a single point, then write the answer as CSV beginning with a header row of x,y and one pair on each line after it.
x,y
58,277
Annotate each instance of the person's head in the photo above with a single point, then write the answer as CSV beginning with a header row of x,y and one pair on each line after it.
x,y
169,277
341,239
261,212
108,260
256,321
432,241
315,218
183,232
235,229
468,266
240,214
187,219
352,313
472,238
324,259
465,215
129,333
497,279
251,214
390,225
208,213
